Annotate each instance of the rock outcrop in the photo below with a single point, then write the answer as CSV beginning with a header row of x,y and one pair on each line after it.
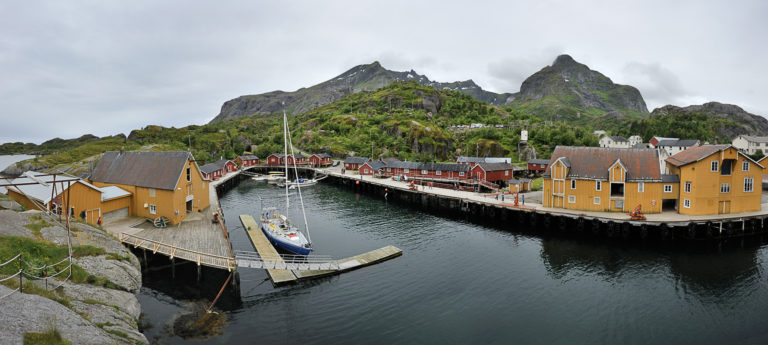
x,y
742,121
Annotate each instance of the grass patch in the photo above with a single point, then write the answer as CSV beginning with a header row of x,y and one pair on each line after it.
x,y
51,337
38,223
118,333
537,184
115,256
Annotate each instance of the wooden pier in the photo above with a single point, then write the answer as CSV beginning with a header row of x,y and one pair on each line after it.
x,y
281,277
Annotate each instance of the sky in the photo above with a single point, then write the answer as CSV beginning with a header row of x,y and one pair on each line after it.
x,y
69,68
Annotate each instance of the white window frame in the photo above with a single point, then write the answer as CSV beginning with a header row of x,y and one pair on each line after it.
x,y
641,187
598,185
667,188
506,172
389,169
714,166
438,172
744,166
687,186
152,209
365,171
749,184
573,184
461,173
189,174
571,199
423,172
725,188
687,203
405,171
596,200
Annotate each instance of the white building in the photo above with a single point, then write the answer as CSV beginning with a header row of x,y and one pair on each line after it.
x,y
634,140
751,144
615,142
670,147
599,132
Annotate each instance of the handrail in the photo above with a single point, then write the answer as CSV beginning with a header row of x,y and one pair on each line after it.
x,y
178,252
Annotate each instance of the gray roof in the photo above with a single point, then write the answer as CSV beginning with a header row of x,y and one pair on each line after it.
x,y
465,159
755,139
322,155
539,161
618,138
43,193
677,142
247,157
670,178
594,162
111,192
149,169
428,166
355,160
209,168
495,166
375,165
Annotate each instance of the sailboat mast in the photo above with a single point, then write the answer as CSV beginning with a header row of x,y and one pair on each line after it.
x,y
285,158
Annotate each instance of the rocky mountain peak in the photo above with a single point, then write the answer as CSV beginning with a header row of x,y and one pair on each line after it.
x,y
564,60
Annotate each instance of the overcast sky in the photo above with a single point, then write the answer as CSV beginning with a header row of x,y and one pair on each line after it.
x,y
69,68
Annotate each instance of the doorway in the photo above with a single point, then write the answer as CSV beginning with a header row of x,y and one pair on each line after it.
x,y
724,207
189,206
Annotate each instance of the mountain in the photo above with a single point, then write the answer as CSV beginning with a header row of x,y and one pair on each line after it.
x,y
568,90
725,121
360,78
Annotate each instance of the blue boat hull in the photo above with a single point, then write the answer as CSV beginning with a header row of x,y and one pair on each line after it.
x,y
279,242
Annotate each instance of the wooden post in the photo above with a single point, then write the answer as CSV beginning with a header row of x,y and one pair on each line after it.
x,y
198,273
173,268
146,265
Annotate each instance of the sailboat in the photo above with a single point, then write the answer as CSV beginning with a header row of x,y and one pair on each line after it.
x,y
276,226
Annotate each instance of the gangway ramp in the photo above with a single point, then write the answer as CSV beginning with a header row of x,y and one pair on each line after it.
x,y
290,268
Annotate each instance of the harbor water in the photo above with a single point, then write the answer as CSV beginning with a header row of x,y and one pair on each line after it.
x,y
463,283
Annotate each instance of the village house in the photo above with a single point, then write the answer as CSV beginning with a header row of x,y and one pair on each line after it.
x,y
655,141
635,140
279,159
247,161
354,163
84,200
320,160
537,165
427,170
166,184
670,147
520,185
603,179
497,173
614,141
214,171
275,159
372,168
716,179
750,144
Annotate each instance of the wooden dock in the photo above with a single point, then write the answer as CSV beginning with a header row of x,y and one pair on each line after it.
x,y
280,277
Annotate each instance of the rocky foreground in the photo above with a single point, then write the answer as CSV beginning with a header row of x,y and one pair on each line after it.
x,y
90,314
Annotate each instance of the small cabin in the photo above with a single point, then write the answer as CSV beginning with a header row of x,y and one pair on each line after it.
x,y
247,161
538,165
354,163
320,160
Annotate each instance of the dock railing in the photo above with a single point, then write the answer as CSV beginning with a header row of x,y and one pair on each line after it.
x,y
312,262
211,260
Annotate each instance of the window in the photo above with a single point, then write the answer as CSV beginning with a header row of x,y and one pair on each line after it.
x,y
573,184
748,184
687,203
667,188
596,200
617,189
727,165
745,166
461,173
389,169
423,172
189,174
598,186
725,188
152,209
714,166
366,171
687,186
439,172
640,187
405,171
151,192
571,199
506,172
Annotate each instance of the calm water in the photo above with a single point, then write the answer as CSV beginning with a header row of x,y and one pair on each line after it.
x,y
5,161
461,283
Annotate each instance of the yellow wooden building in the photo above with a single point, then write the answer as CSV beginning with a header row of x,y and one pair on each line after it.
x,y
603,179
162,183
716,179
84,200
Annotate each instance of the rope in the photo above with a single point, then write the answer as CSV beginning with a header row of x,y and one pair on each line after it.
x,y
11,260
10,293
10,277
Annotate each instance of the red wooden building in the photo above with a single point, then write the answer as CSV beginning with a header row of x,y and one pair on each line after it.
x,y
247,161
427,170
353,163
217,169
320,160
275,159
492,172
371,168
538,165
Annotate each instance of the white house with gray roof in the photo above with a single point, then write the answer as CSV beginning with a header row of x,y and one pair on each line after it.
x,y
751,144
614,142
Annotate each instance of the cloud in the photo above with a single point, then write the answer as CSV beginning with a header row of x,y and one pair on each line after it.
x,y
658,84
507,74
